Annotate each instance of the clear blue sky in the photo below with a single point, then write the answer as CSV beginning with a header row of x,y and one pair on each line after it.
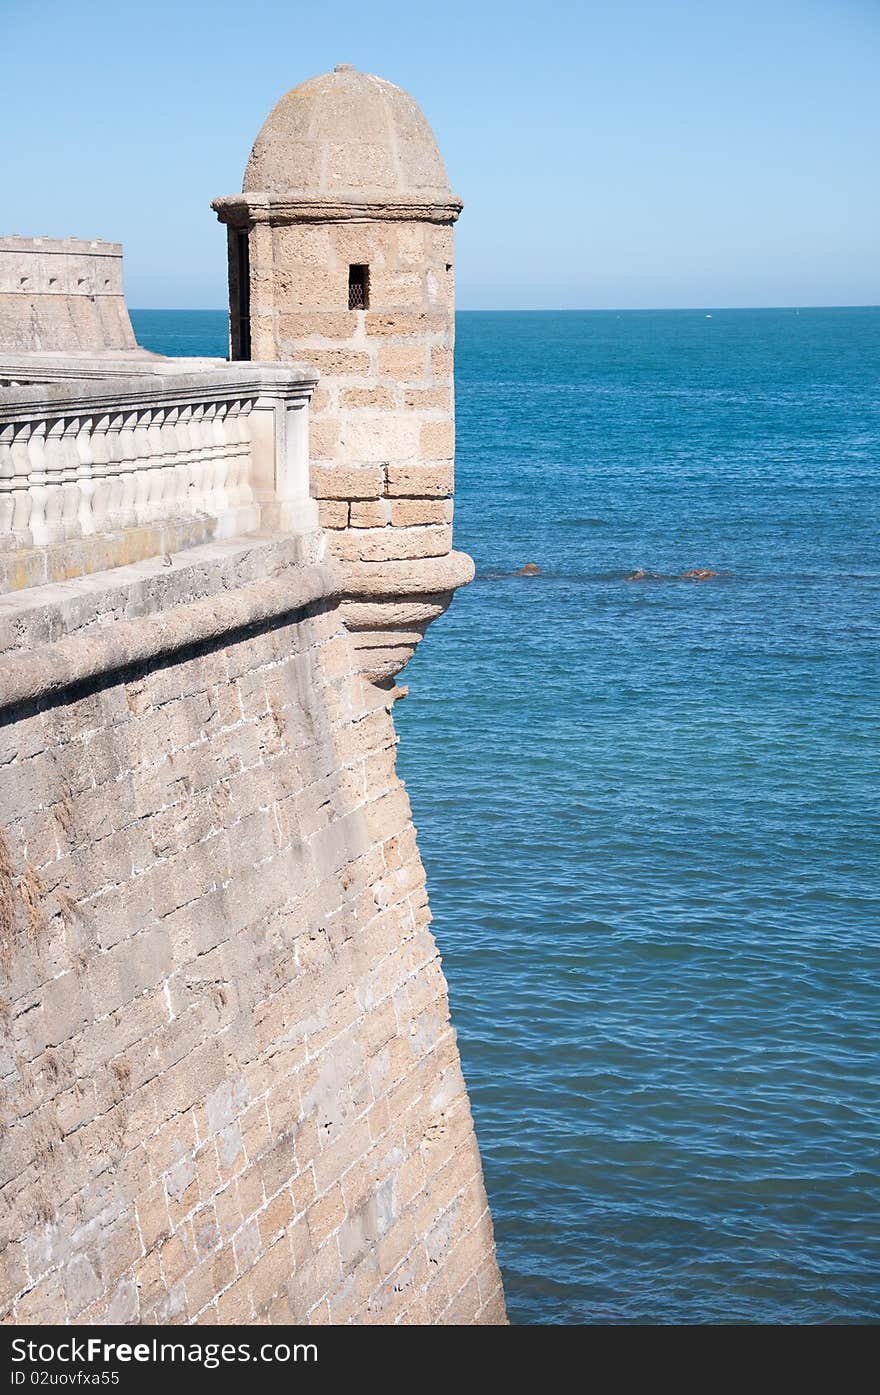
x,y
629,153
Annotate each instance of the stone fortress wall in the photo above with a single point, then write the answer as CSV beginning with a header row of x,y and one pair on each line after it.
x,y
62,294
231,1091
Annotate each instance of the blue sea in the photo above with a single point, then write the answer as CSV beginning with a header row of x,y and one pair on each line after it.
x,y
649,809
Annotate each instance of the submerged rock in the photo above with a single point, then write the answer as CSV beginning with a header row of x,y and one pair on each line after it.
x,y
695,574
530,569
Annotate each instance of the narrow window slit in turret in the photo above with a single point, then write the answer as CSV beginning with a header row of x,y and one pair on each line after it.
x,y
358,287
242,348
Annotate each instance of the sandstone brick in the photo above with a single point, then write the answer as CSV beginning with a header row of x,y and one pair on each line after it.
x,y
208,1279
323,439
153,1218
177,1257
43,1304
303,1191
441,363
338,362
312,291
333,513
437,440
302,245
406,323
270,1274
325,1215
276,1218
236,1304
347,482
407,513
370,513
316,324
406,363
401,289
228,1210
82,1284
377,398
433,399
419,480
390,436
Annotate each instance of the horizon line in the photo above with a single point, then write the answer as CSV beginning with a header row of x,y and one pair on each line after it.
x,y
558,310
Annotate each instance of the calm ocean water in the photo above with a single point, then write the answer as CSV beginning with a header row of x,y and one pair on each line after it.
x,y
649,810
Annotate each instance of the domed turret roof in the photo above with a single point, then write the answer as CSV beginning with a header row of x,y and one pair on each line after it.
x,y
347,135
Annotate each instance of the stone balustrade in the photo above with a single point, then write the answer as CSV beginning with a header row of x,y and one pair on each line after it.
x,y
157,459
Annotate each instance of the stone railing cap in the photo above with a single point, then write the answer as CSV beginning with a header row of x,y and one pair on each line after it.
x,y
181,380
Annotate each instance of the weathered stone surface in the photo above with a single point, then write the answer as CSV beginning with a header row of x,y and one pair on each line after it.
x,y
405,513
350,483
62,295
404,362
388,544
233,1086
370,513
347,132
419,481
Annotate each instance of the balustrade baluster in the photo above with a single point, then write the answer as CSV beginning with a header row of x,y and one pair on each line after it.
x,y
53,469
36,452
141,450
221,462
156,456
69,489
246,488
184,437
113,519
21,513
127,465
202,462
85,455
167,469
100,472
7,476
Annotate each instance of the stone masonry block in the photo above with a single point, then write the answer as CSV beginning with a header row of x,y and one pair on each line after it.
x,y
408,513
406,363
316,324
333,513
419,480
370,513
385,437
338,362
437,441
380,398
323,439
346,481
406,323
441,363
390,544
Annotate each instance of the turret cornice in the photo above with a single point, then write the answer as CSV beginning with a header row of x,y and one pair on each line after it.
x,y
244,210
